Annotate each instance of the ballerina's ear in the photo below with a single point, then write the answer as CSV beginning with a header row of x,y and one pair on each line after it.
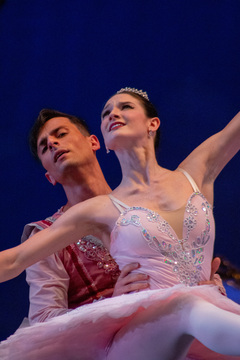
x,y
50,178
154,124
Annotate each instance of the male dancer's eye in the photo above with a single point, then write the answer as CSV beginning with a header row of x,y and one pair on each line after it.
x,y
61,134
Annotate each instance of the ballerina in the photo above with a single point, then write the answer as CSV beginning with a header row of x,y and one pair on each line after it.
x,y
162,219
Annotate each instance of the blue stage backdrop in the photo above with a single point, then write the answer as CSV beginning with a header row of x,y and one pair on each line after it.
x,y
72,55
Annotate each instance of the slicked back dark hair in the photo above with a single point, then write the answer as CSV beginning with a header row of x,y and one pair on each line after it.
x,y
46,115
150,111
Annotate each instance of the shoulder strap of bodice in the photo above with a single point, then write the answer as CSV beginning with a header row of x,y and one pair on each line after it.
x,y
190,179
119,204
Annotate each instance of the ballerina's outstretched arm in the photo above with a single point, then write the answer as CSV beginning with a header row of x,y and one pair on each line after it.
x,y
88,217
206,162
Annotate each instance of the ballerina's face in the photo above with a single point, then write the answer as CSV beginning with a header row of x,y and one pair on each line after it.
x,y
123,116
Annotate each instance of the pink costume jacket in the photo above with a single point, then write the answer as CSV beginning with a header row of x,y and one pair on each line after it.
x,y
77,275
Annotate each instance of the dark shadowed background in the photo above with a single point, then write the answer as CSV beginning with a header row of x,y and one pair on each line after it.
x,y
71,55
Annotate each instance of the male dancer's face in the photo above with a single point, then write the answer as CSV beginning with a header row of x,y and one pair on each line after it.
x,y
62,147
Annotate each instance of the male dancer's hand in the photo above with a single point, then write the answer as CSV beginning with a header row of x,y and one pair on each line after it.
x,y
215,279
214,268
129,281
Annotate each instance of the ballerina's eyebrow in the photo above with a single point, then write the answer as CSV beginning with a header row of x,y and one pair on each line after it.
x,y
126,103
120,103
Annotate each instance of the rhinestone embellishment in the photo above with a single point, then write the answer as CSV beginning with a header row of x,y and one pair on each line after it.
x,y
183,256
95,251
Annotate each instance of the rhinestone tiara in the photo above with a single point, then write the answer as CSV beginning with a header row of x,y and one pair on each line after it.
x,y
136,91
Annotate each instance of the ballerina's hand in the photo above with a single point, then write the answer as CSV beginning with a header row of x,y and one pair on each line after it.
x,y
129,281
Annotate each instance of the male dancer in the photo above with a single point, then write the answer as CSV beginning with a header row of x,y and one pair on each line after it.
x,y
82,272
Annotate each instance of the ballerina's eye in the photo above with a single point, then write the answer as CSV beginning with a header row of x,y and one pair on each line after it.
x,y
44,149
105,113
127,106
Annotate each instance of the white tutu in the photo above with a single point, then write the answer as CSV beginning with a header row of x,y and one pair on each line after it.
x,y
87,332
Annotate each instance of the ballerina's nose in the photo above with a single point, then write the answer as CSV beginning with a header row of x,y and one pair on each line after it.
x,y
114,114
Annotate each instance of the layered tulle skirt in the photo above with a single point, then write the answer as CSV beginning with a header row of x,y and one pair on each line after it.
x,y
88,332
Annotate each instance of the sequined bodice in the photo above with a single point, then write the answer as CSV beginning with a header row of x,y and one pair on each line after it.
x,y
142,235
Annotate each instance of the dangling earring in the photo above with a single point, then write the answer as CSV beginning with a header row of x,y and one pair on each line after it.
x,y
150,134
107,150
